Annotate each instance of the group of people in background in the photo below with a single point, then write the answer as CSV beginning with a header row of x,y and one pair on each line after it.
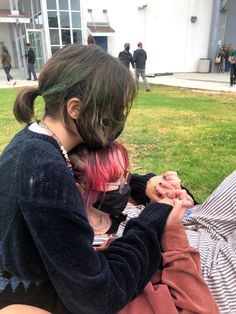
x,y
226,60
6,63
137,61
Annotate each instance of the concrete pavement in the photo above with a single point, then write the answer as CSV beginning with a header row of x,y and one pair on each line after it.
x,y
203,81
19,77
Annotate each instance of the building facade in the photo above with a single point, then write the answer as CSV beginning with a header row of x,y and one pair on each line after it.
x,y
175,34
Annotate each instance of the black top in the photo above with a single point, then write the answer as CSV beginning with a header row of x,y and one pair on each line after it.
x,y
46,240
126,58
139,58
30,55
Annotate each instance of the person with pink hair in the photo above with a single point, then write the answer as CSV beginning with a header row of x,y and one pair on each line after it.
x,y
103,178
208,225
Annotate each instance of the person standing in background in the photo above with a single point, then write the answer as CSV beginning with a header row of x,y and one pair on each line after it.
x,y
125,56
220,55
30,55
232,61
226,57
91,40
139,58
6,64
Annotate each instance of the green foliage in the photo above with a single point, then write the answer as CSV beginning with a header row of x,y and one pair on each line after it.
x,y
191,132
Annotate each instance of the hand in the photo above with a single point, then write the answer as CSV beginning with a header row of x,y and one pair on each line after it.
x,y
157,188
181,203
172,178
177,213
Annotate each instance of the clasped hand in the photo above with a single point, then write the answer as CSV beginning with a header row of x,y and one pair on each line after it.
x,y
166,188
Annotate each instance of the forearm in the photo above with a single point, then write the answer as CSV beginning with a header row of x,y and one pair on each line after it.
x,y
181,273
115,276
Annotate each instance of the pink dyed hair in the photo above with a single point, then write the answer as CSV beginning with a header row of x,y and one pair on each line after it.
x,y
94,168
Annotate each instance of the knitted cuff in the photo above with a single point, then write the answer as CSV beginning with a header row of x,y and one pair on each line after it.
x,y
153,218
156,212
138,187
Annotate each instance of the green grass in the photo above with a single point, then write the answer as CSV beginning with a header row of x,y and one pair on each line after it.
x,y
192,132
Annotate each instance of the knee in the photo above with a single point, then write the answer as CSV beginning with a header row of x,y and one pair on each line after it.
x,y
22,309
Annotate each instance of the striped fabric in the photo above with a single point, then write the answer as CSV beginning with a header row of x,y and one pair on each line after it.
x,y
215,239
131,211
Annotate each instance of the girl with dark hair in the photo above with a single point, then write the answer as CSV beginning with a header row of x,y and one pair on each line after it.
x,y
6,64
46,255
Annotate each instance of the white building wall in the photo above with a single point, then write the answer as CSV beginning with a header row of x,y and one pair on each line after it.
x,y
173,43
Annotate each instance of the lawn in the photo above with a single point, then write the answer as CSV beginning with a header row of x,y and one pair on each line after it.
x,y
192,132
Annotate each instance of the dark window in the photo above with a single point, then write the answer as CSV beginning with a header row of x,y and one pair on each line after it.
x,y
55,49
65,36
101,41
77,36
54,36
52,19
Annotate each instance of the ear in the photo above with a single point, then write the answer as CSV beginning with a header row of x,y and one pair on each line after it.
x,y
73,107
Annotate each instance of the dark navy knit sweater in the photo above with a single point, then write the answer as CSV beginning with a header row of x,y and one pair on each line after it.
x,y
45,237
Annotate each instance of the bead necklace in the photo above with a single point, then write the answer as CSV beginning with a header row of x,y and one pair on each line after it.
x,y
44,125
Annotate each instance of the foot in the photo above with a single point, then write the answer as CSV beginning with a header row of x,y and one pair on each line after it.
x,y
147,90
35,79
13,82
28,79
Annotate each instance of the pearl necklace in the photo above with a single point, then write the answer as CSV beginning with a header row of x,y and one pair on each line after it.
x,y
44,125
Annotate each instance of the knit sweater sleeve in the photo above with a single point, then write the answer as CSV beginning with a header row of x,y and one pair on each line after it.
x,y
86,281
138,187
182,274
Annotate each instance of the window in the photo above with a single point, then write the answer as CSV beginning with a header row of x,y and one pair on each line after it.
x,y
65,36
63,5
55,49
65,21
54,36
52,19
64,24
75,5
77,36
51,4
76,22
